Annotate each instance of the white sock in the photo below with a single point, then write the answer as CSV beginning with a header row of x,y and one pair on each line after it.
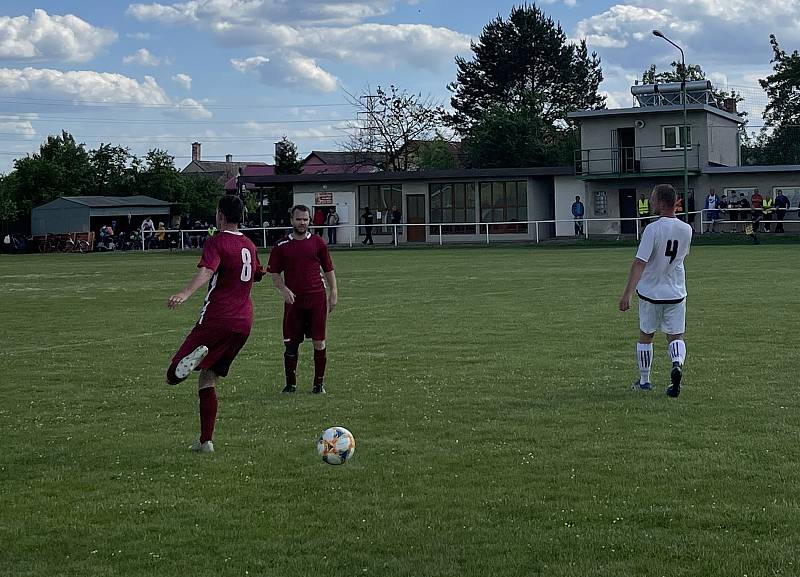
x,y
677,351
644,356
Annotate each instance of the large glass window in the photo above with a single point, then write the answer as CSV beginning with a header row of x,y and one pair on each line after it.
x,y
505,202
380,198
453,203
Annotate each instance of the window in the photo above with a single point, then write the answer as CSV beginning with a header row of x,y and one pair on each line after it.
x,y
380,198
671,137
453,202
600,203
505,202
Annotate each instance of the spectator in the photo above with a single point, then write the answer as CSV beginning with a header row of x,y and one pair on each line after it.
x,y
744,204
723,210
395,218
782,204
642,210
578,212
712,207
148,228
319,220
367,218
756,204
769,208
692,208
332,221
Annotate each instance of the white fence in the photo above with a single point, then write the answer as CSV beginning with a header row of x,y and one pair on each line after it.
x,y
484,232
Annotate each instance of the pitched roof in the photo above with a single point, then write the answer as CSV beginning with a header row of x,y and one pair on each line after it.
x,y
116,201
220,166
346,158
250,170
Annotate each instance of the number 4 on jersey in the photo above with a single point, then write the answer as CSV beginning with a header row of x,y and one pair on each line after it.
x,y
672,250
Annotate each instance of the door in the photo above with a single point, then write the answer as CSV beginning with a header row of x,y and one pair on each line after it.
x,y
627,209
415,214
626,137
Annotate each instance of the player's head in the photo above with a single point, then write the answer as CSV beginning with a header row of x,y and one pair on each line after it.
x,y
230,210
300,217
664,198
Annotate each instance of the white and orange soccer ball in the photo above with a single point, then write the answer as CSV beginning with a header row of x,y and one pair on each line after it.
x,y
336,445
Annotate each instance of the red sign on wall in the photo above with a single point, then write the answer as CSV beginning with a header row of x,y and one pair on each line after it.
x,y
323,198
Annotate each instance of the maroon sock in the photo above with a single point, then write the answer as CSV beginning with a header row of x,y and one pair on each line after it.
x,y
290,365
208,413
320,360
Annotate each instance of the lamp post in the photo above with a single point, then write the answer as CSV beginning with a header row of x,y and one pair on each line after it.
x,y
684,136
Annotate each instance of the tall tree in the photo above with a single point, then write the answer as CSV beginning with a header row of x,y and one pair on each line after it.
x,y
778,142
435,154
525,62
392,123
114,170
159,178
287,160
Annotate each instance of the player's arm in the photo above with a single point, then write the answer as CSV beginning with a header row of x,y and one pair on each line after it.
x,y
201,278
333,291
637,268
286,293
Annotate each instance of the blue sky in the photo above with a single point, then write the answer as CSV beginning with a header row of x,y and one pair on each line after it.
x,y
236,75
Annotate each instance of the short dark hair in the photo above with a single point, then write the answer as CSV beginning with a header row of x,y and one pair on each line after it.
x,y
299,208
665,194
232,207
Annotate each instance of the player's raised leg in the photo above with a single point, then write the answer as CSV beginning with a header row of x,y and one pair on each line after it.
x,y
677,353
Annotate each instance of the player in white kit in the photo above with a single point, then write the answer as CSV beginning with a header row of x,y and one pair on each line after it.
x,y
658,277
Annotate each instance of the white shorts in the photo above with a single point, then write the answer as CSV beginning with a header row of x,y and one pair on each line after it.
x,y
670,318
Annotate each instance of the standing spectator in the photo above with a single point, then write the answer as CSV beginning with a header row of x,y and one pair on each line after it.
x,y
395,217
723,209
657,275
782,205
148,228
692,209
162,236
733,212
229,266
643,210
299,257
712,208
332,221
367,218
756,205
744,204
769,207
319,220
578,211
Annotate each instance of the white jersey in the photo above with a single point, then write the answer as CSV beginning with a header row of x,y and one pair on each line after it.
x,y
664,245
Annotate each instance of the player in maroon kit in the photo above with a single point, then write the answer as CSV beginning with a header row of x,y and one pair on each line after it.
x,y
300,256
229,266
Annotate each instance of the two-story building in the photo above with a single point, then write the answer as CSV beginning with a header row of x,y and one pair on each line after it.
x,y
626,151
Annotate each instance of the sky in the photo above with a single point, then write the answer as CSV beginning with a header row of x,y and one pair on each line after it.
x,y
237,75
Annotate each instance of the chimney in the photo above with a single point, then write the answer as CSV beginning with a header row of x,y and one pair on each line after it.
x,y
729,105
195,151
228,158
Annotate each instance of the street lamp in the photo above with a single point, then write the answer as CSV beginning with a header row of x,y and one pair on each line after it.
x,y
684,136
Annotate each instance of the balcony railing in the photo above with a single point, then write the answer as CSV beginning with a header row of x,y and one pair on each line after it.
x,y
634,160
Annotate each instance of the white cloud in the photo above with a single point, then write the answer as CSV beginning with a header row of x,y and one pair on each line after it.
x,y
18,124
80,85
143,57
46,37
190,108
287,70
311,34
138,35
184,80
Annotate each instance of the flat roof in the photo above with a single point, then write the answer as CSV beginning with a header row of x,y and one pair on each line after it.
x,y
751,169
638,110
449,174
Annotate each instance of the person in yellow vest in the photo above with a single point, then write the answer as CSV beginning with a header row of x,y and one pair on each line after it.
x,y
679,208
643,209
768,206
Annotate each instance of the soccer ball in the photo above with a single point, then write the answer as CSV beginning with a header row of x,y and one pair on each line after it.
x,y
336,445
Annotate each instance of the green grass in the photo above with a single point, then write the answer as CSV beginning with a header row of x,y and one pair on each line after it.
x,y
488,391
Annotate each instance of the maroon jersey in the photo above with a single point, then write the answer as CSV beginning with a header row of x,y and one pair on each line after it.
x,y
234,260
300,261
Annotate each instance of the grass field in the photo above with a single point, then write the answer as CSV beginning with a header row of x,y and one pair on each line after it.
x,y
488,391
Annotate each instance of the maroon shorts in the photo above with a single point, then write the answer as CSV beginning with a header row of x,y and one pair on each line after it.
x,y
223,339
307,317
